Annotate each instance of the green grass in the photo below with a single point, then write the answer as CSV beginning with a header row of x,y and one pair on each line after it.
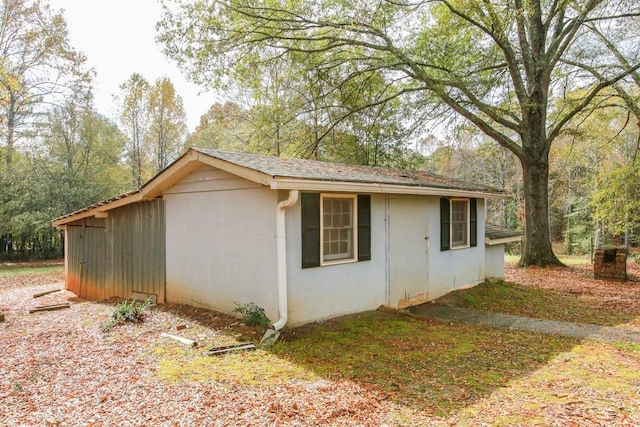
x,y
9,270
565,259
516,299
428,366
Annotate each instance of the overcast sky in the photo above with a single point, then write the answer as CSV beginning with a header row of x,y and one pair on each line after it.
x,y
117,36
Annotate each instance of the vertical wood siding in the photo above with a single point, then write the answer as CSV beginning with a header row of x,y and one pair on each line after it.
x,y
123,254
86,252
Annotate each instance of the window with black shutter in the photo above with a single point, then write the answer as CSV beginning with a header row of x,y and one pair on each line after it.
x,y
336,228
458,223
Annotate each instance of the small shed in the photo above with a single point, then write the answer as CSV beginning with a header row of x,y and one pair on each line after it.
x,y
496,238
305,240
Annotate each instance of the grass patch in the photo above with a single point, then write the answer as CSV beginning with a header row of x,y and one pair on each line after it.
x,y
593,381
10,270
429,366
568,260
512,298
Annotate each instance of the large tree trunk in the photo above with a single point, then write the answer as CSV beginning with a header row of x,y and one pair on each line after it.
x,y
537,246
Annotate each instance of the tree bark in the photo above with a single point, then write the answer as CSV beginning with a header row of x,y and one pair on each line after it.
x,y
537,246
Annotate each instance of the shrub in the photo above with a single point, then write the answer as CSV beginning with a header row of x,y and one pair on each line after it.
x,y
127,311
252,315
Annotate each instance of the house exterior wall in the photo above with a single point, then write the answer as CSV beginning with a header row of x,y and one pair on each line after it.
x,y
333,290
85,252
221,244
455,268
136,242
323,292
494,261
117,255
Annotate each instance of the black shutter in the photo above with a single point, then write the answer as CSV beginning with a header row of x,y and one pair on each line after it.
x,y
364,227
445,224
310,206
473,222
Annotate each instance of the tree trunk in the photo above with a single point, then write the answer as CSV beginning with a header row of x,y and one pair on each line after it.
x,y
537,247
11,127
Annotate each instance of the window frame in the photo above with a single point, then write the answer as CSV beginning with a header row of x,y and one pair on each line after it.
x,y
467,242
354,228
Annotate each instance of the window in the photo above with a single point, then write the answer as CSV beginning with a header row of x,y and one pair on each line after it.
x,y
336,228
338,232
458,223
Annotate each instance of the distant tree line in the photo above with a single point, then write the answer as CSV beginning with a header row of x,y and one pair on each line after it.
x,y
305,83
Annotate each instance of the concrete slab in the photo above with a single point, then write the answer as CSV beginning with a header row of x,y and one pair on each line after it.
x,y
528,324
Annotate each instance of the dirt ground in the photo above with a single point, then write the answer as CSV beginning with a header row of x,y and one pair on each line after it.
x,y
57,368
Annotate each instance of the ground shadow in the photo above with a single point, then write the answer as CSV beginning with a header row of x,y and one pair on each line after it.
x,y
427,365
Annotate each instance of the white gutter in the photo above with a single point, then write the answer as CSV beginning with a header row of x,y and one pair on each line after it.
x,y
281,256
280,183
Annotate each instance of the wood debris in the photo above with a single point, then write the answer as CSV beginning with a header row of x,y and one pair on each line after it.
x,y
49,307
181,340
231,348
43,293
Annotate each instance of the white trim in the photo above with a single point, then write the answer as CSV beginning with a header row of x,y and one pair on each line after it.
x,y
280,183
354,227
501,241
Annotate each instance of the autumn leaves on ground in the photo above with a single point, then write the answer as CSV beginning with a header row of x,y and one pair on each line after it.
x,y
377,368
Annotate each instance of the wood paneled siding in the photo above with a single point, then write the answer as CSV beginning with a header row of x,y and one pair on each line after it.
x,y
85,260
121,254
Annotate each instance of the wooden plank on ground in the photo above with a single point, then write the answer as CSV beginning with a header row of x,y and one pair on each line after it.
x,y
40,294
230,348
49,307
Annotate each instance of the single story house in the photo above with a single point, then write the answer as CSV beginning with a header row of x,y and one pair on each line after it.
x,y
305,240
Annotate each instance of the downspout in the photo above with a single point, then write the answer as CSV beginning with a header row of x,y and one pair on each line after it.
x,y
281,257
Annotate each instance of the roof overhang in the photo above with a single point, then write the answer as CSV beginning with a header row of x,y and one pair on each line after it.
x,y
502,240
190,161
283,183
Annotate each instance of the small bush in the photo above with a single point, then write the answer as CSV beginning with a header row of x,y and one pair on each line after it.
x,y
127,311
252,315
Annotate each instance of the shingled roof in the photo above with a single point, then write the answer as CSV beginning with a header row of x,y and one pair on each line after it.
x,y
338,172
495,235
285,174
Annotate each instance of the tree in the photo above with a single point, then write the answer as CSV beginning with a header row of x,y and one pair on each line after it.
x,y
135,121
501,66
167,123
224,127
36,65
73,161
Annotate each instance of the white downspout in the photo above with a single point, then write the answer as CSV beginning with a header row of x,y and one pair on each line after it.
x,y
281,256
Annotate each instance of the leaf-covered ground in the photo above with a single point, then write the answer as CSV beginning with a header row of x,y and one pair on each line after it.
x,y
375,369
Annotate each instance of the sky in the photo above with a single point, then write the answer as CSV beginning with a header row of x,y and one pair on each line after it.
x,y
117,36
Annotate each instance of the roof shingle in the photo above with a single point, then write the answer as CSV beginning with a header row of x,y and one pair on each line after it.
x,y
327,171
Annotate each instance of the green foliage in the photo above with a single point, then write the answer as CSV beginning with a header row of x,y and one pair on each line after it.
x,y
375,70
127,311
451,364
252,315
616,202
512,298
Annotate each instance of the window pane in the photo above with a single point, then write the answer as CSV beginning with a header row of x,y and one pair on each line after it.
x,y
459,222
338,231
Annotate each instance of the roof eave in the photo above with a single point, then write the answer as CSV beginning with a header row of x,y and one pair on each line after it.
x,y
285,183
96,211
502,240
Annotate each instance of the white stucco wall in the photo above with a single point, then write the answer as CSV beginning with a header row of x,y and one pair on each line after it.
x,y
494,261
221,250
221,245
323,292
333,290
456,268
